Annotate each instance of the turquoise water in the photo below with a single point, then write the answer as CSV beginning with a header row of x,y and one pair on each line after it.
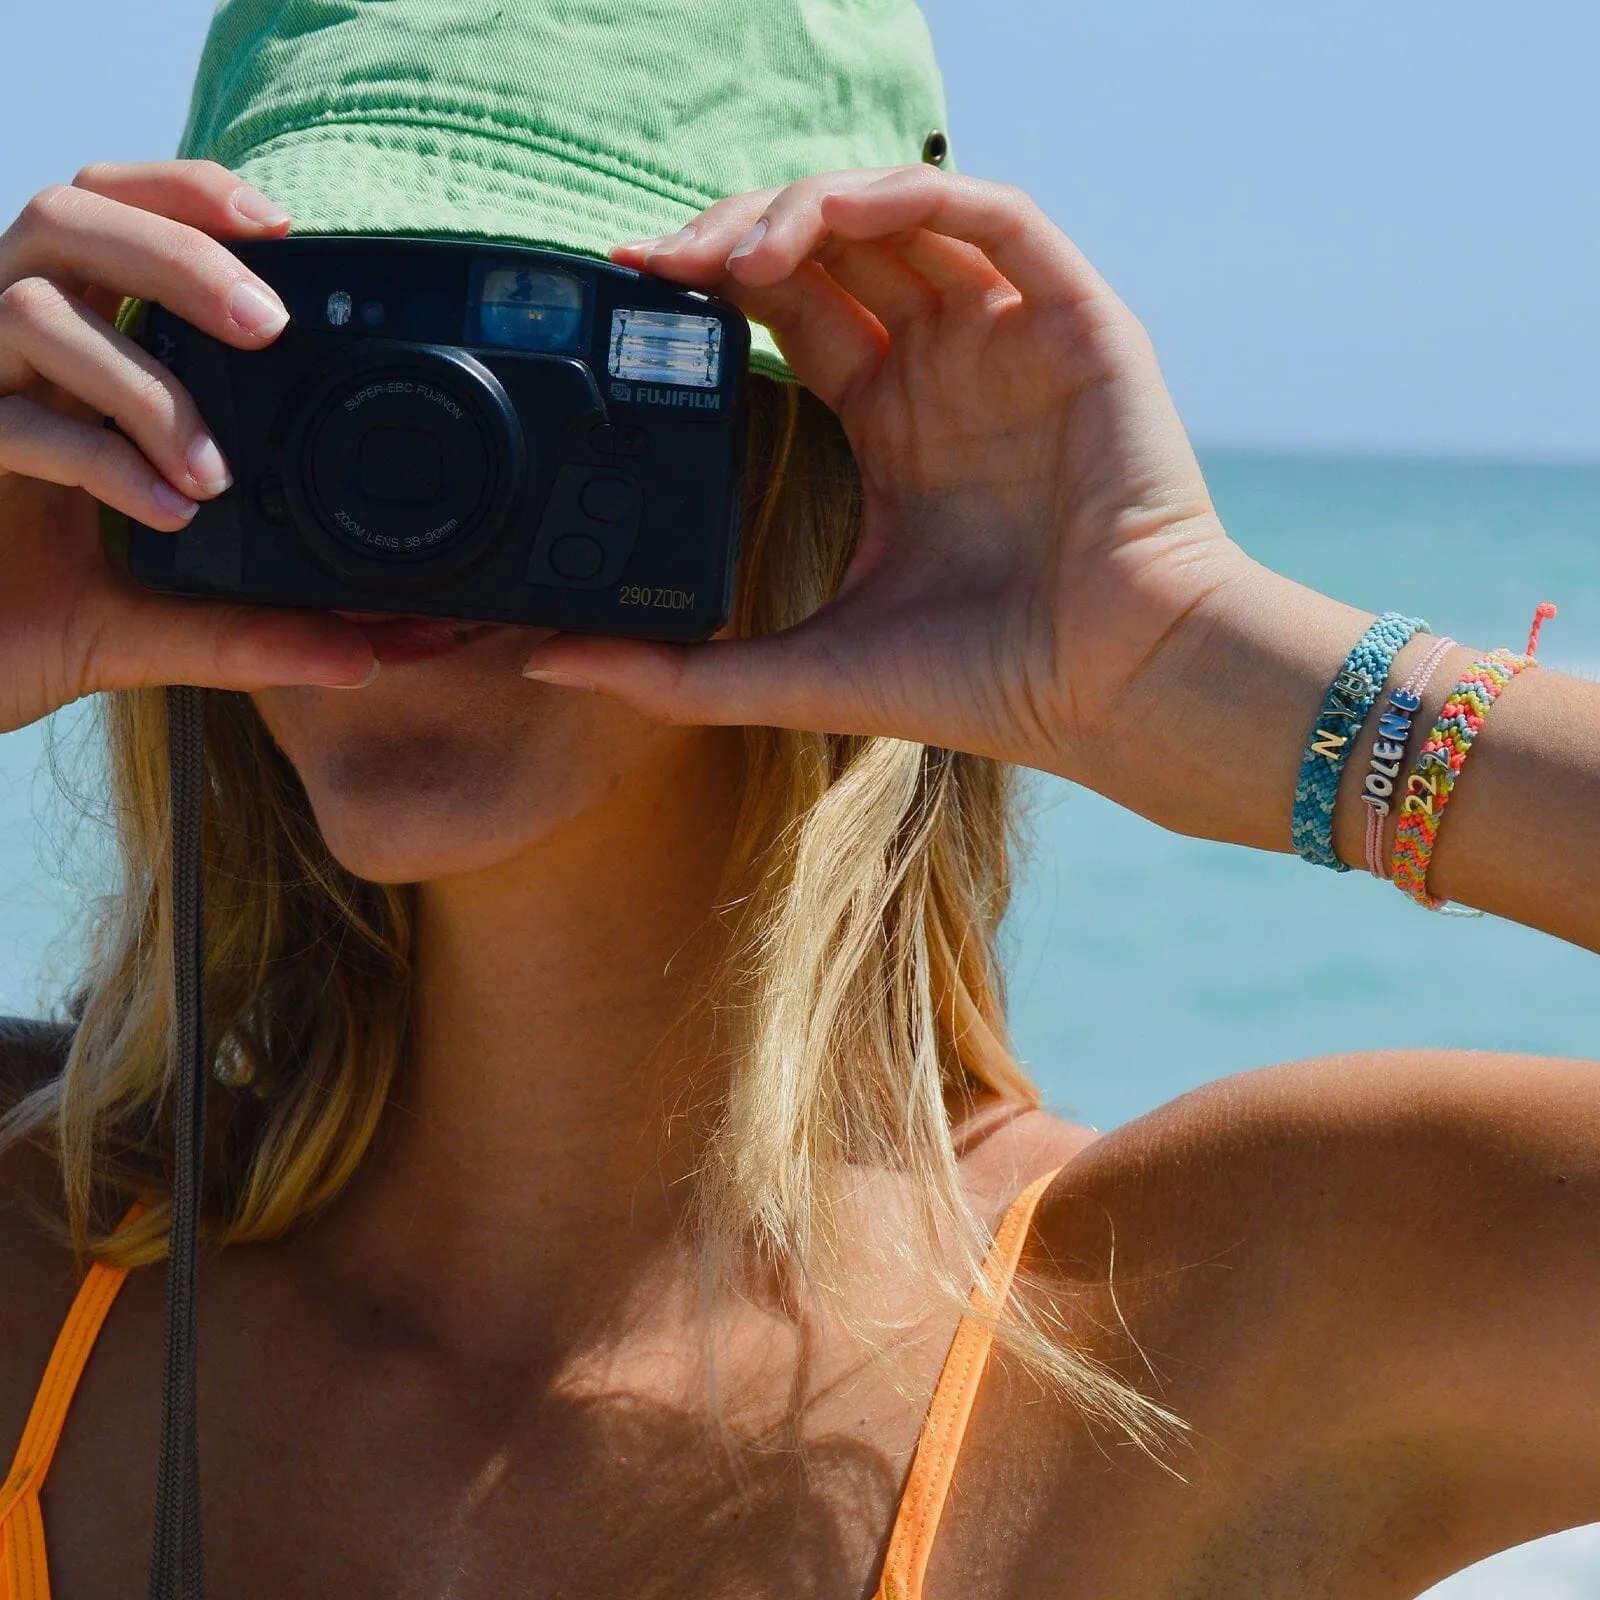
x,y
1141,963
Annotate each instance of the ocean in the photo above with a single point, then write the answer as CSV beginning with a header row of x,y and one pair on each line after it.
x,y
1143,964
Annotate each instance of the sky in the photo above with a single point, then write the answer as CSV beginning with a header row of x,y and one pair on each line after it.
x,y
1365,226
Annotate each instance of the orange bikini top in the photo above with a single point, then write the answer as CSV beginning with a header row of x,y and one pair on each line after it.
x,y
24,1571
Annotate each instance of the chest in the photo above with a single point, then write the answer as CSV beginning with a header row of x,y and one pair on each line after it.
x,y
349,1467
342,1469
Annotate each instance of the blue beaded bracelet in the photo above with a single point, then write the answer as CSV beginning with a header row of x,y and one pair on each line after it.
x,y
1350,699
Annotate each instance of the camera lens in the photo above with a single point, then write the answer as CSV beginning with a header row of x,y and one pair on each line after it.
x,y
401,465
406,458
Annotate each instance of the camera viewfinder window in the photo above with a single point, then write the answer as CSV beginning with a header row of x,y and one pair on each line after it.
x,y
531,308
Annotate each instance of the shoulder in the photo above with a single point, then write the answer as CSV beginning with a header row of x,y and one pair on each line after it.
x,y
1383,1259
1317,1145
1299,1187
1003,1147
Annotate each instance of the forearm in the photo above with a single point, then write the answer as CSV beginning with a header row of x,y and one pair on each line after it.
x,y
1211,740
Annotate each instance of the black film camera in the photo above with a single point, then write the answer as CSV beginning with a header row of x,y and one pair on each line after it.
x,y
467,430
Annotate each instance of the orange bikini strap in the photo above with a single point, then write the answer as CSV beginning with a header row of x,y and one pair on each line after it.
x,y
73,1344
945,1426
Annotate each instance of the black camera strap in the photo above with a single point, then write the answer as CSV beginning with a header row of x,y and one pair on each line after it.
x,y
177,1557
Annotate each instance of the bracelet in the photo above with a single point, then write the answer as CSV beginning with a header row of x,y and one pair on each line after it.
x,y
1350,698
1444,753
1389,750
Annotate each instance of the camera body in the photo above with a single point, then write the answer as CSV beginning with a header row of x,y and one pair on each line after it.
x,y
467,430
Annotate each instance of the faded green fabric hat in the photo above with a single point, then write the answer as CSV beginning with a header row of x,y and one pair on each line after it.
x,y
572,124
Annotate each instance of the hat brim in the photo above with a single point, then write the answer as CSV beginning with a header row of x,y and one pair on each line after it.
x,y
372,177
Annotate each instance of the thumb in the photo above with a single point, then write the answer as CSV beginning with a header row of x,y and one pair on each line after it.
x,y
776,681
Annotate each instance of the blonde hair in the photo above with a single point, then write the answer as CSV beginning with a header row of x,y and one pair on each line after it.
x,y
866,891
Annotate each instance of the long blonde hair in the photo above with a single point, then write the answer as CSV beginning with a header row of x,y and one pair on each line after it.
x,y
868,880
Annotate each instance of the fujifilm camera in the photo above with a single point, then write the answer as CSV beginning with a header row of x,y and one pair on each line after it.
x,y
468,430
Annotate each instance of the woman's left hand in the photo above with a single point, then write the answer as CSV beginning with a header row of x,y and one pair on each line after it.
x,y
1036,528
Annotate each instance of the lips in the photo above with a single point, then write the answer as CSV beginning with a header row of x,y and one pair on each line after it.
x,y
396,640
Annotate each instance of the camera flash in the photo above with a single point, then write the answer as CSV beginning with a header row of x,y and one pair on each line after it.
x,y
338,308
666,347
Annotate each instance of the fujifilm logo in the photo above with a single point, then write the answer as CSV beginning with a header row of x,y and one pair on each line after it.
x,y
645,394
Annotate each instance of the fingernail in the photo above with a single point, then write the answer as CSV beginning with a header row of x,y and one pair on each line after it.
x,y
205,465
168,498
372,672
254,206
675,241
562,680
256,310
751,240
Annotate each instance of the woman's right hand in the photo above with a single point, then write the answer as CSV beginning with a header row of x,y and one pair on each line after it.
x,y
71,620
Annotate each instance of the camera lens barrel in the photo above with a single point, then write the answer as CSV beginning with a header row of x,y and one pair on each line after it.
x,y
406,459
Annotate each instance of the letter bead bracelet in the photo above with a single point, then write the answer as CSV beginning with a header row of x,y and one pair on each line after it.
x,y
1389,751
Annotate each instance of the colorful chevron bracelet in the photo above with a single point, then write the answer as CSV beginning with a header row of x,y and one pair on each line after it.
x,y
1444,753
1349,702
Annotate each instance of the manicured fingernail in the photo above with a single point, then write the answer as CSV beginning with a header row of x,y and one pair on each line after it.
x,y
372,672
675,241
751,240
562,680
170,501
254,206
206,466
256,310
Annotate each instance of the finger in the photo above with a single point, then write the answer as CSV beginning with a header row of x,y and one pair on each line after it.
x,y
700,252
142,641
792,227
829,339
48,333
879,277
727,682
696,253
1003,222
957,271
84,238
832,343
203,194
39,442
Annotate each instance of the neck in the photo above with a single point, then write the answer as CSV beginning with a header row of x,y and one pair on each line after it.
x,y
530,1164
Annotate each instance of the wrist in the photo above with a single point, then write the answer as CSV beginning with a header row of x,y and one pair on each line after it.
x,y
1208,740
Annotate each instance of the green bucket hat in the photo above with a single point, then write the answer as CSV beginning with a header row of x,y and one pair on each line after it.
x,y
570,124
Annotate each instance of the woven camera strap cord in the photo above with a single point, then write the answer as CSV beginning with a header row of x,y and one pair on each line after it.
x,y
1348,702
177,1560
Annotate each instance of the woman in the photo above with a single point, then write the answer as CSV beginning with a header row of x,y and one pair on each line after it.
x,y
614,1100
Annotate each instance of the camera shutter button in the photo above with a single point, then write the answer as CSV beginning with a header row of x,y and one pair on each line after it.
x,y
577,556
607,499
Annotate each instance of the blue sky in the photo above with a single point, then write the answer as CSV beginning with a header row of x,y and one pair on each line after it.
x,y
1370,225
1366,224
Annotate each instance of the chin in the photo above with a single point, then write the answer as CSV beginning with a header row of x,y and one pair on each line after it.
x,y
457,764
